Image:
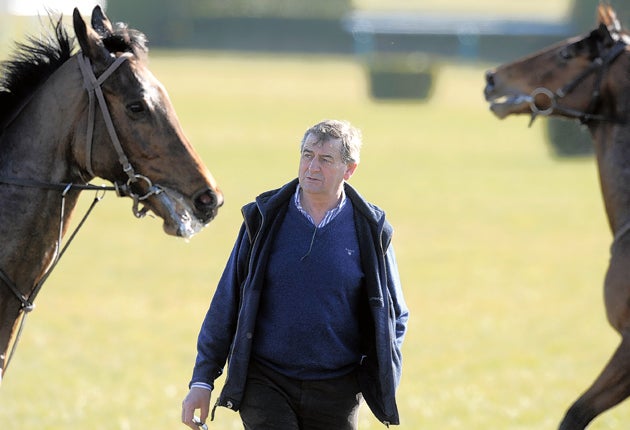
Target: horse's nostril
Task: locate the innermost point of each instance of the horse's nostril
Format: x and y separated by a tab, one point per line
208	201
490	78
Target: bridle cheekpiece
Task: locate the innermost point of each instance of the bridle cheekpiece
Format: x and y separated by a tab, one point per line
92	85
599	65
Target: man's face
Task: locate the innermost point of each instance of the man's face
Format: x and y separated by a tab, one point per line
321	169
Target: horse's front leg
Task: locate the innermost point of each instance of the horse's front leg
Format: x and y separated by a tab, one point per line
612	386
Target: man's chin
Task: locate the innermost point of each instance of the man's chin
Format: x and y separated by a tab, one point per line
311	185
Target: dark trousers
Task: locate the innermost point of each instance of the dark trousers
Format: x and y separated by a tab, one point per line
274	402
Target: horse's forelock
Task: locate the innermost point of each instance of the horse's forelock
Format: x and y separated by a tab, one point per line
124	39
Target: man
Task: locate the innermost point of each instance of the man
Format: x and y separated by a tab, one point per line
309	311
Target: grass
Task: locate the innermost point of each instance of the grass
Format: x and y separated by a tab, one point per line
502	250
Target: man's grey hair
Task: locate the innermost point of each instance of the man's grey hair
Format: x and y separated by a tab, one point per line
349	135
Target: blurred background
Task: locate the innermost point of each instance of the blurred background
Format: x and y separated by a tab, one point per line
501	235
400	42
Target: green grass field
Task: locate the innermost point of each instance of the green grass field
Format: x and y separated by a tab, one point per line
502	250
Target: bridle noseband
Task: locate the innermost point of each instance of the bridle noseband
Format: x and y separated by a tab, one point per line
599	65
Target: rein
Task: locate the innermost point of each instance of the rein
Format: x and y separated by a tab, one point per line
599	66
92	85
27	303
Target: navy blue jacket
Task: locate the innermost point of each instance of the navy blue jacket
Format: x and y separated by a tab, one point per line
228	328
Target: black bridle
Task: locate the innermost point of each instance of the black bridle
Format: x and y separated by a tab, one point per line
599	65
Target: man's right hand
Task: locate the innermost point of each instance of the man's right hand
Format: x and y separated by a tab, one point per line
197	398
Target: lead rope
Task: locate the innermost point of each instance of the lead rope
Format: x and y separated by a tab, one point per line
28	302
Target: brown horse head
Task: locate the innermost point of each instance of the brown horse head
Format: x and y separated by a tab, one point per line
570	78
154	162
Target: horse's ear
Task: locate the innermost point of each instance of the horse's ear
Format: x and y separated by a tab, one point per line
602	36
101	23
89	40
608	17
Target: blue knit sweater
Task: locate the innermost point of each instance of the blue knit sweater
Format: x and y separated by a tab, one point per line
308	324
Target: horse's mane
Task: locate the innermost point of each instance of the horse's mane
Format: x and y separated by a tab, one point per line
31	64
34	61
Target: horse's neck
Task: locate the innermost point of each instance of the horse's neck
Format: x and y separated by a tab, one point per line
612	146
36	145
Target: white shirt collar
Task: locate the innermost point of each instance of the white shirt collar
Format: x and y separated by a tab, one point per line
330	215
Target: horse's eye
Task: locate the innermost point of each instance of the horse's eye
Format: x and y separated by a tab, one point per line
136	107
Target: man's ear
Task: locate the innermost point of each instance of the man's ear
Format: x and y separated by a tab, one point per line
350	168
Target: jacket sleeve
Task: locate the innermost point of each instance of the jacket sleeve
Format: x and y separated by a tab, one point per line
218	328
399	310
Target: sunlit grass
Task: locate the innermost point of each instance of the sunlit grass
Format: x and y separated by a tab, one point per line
502	250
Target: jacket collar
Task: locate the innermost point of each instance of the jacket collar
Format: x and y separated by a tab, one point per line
271	201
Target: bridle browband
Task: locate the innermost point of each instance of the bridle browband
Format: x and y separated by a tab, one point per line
599	65
92	85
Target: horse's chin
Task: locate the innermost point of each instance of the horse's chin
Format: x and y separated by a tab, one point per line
178	216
